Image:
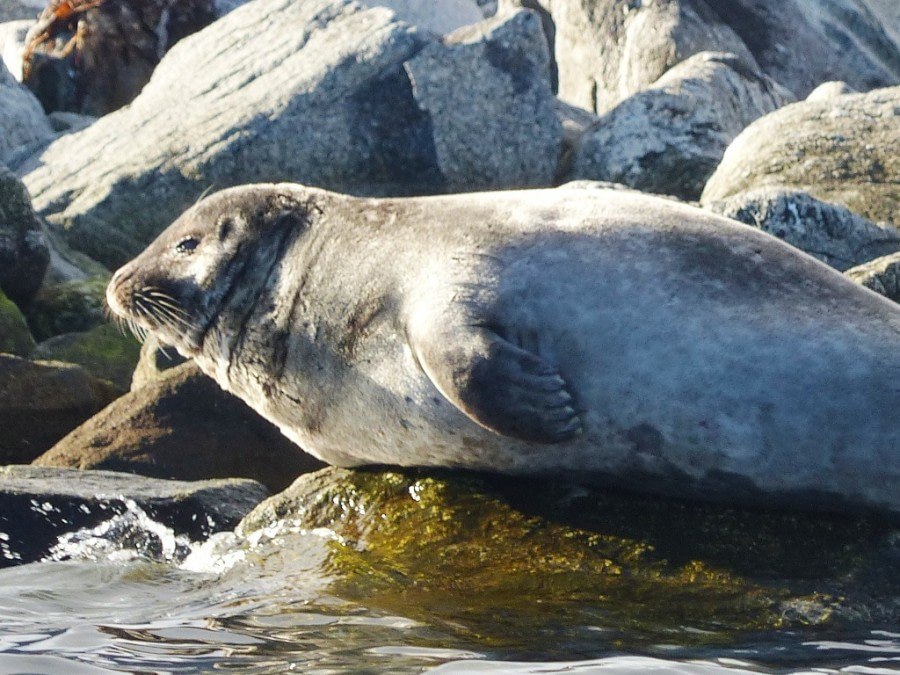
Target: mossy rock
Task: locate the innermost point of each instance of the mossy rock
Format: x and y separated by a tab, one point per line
844	150
15	338
105	352
476	552
67	307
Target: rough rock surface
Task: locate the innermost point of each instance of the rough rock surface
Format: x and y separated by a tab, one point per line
437	16
94	57
105	352
22	120
40	402
670	137
15	338
830	232
609	49
154	360
882	275
12	45
475	86
67	307
182	426
24	254
461	541
844	150
11	10
225	106
829	90
38	505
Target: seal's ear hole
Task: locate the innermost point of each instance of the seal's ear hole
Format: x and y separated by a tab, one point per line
225	226
187	245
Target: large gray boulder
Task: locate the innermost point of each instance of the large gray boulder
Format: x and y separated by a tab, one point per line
670	137
844	150
881	275
607	50
24	254
487	92
317	92
830	232
22	120
40	507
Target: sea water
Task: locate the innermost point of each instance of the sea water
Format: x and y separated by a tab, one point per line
130	596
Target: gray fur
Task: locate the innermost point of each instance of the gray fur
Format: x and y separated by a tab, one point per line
613	336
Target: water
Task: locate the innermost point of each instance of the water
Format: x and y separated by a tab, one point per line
129	596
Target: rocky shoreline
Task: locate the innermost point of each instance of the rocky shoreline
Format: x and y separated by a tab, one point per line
782	115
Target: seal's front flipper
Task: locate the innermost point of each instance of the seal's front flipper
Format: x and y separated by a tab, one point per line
501	386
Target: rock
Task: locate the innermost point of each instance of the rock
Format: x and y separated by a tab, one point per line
12	45
69	121
476	86
444	546
154	360
106	352
844	150
91	58
438	16
182	426
38	506
607	50
888	12
15	338
11	10
68	307
830	232
829	90
22	121
670	137
40	402
24	254
225	105
882	275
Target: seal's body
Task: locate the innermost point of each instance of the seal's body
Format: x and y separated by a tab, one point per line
609	335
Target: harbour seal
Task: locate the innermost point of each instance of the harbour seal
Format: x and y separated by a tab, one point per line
617	337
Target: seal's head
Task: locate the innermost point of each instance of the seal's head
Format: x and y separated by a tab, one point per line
215	259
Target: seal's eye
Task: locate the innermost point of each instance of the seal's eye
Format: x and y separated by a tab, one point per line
187	245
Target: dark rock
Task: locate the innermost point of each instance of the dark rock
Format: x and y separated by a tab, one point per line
38	505
40	402
105	352
15	338
337	71
24	254
92	58
154	360
830	232
493	114
882	275
444	546
844	150
670	137
182	426
67	307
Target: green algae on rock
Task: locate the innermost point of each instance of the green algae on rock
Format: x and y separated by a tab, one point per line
15	338
67	307
479	552
105	352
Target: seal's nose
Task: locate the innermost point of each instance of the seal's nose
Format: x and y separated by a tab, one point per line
116	289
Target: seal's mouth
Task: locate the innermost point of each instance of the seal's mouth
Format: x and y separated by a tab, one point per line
144	308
